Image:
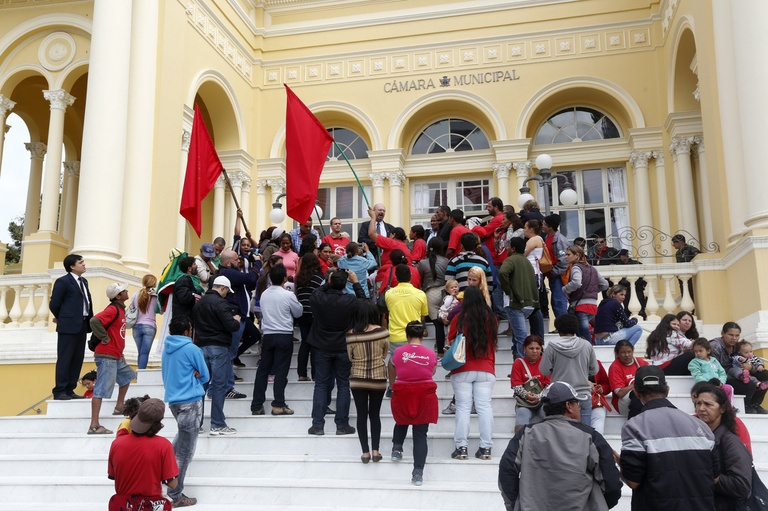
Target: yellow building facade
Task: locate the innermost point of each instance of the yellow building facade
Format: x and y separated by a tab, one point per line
650	108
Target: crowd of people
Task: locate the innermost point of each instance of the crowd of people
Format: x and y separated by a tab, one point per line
361	306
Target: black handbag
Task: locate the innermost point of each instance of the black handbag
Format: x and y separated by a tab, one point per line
758	499
95	341
381	300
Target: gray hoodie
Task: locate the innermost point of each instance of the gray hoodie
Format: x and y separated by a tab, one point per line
572	360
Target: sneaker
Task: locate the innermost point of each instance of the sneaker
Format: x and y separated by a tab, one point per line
450	409
389	391
238	378
749	409
201	430
223	431
184	501
281	410
233	394
745	376
258	411
483	453
397	455
417	479
346	430
271	378
316	431
237	363
460	454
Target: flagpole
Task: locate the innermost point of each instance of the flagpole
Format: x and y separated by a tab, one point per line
362	190
232	193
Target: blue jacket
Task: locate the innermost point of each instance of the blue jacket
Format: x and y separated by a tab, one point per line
360	265
181	358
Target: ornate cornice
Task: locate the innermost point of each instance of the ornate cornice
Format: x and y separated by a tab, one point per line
37	150
59	99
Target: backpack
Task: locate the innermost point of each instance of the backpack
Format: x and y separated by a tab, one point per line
95	341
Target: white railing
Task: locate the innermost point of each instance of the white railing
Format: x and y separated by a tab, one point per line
658	277
24	300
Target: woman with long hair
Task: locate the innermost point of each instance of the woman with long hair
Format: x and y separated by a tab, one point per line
418	246
290	258
688	325
581	284
667	348
324	253
621	376
473	382
367	348
611	314
308	278
146	324
432	271
723	349
525	369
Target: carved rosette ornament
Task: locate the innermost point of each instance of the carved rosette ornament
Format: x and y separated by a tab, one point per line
56	51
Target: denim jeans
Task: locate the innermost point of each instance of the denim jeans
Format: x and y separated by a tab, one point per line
143	335
524	415
477	386
236	336
631	334
219	364
188	417
497	301
276	352
584	332
559	300
516	318
586	411
597	421
329	366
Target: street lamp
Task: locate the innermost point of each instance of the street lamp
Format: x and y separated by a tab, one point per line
277	215
568	196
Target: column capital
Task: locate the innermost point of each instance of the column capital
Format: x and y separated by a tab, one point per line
37	149
246	186
377	179
185	138
396	178
640	158
261	186
277	185
658	156
236	178
699	141
501	170
59	99
7	128
6	105
220	182
681	145
72	168
523	168
697	93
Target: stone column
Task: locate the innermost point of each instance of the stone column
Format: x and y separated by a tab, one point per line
277	185
395	209
134	239
219	201
639	162
72	168
523	171
686	203
501	171
181	222
6	105
661	193
245	203
262	208
377	185
704	199
32	211
236	180
102	167
49	210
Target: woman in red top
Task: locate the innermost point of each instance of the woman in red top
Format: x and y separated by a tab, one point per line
324	252
473	382
387	245
621	377
533	347
419	247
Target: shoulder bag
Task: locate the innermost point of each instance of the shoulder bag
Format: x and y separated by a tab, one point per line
456	355
132	313
545	261
533	386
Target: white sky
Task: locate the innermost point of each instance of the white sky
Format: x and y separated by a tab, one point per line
14	174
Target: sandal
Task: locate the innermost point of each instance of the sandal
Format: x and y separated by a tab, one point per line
117	411
99	430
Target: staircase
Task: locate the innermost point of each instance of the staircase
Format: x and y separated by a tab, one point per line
48	462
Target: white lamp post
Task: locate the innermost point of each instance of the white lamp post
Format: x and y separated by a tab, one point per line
568	196
277	215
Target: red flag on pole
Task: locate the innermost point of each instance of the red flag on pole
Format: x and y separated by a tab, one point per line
306	148
203	169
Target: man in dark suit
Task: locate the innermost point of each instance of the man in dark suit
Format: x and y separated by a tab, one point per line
72	309
382	228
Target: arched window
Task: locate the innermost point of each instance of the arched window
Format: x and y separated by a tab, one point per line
576	124
351	143
449	135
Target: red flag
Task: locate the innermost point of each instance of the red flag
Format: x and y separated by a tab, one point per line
306	148
203	169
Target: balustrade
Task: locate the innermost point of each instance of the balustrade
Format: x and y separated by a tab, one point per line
24	300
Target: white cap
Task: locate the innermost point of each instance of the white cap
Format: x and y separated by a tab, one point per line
223	281
115	289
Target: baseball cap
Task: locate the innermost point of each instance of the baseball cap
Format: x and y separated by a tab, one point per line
151	411
560	392
223	281
115	289
650	378
208	250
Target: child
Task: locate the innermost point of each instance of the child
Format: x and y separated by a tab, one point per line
130	409
89	381
746	364
450	301
708	369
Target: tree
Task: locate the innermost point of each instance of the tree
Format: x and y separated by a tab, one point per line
16	228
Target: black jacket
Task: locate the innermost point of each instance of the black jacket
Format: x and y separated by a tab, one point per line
184	296
332	312
362	235
214	321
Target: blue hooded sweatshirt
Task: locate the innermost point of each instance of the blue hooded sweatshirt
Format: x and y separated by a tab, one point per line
181	358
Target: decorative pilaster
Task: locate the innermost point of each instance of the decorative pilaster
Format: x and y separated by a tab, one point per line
37	152
686	205
377	184
262	207
72	172
639	162
396	181
6	105
59	100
